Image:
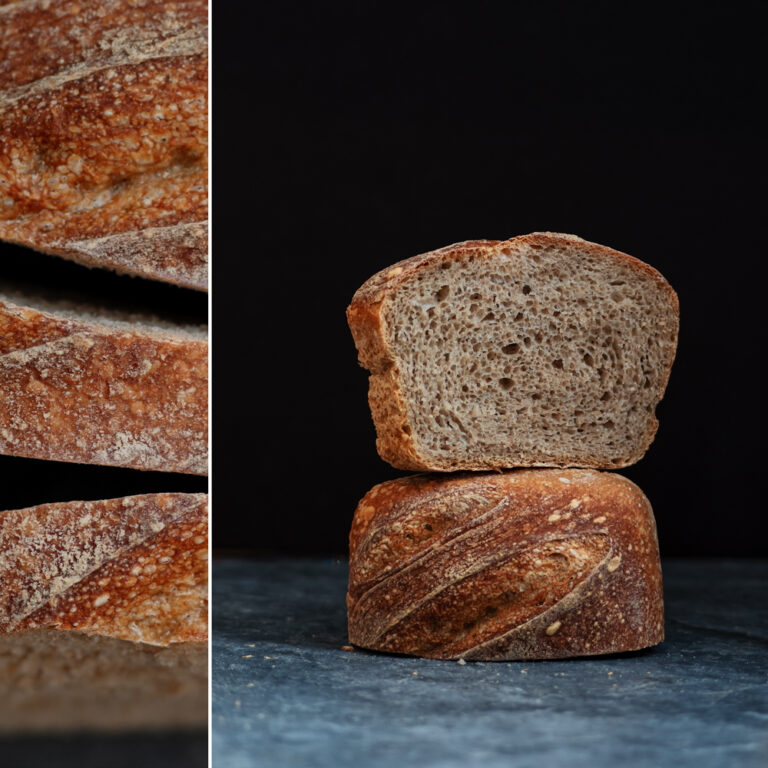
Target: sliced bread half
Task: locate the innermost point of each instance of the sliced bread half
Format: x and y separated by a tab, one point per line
541	350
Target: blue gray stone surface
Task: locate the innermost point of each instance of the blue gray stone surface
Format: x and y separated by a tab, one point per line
286	694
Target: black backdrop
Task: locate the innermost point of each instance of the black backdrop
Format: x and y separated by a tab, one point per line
349	135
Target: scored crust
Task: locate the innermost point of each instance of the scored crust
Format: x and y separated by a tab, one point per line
104	112
91	389
397	413
528	564
104	614
132	568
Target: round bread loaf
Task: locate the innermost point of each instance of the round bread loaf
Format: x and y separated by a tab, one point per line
529	564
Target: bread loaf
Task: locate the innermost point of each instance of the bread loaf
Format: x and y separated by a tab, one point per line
103	614
542	350
82	384
530	564
104	111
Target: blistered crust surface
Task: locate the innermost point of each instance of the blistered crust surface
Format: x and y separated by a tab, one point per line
104	111
83	392
522	565
132	568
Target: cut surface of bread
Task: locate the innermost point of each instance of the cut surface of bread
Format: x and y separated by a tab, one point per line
542	350
528	564
103	613
104	112
82	384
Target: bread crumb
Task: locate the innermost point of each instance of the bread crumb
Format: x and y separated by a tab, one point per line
553	627
347	648
462	662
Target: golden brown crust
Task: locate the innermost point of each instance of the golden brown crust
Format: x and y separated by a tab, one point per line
133	568
107	138
75	390
365	316
530	564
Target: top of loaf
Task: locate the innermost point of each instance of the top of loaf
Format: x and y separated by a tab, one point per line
381	284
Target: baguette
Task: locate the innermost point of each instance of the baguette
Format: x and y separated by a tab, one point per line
103	614
87	385
530	564
104	112
543	350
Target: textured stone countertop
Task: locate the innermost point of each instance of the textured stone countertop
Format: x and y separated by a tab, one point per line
285	694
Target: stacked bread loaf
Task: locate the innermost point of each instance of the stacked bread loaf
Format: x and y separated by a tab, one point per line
103	604
541	351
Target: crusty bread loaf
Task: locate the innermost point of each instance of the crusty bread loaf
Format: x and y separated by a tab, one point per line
530	564
104	111
82	384
542	350
103	614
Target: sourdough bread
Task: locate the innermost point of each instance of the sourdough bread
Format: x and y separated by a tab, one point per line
85	384
529	564
542	350
104	112
103	614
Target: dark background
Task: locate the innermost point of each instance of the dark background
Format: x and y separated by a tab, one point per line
349	135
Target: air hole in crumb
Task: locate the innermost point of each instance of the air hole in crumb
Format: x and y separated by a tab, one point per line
406	429
489	316
526	289
609	424
617	297
445	265
617	282
519	316
476	296
557	363
527	341
505	383
442	293
589	360
427	527
605	396
535	396
465	388
556	313
510	349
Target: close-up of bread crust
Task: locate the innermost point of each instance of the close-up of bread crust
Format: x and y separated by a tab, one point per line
104	112
395	415
104	614
529	564
133	568
88	389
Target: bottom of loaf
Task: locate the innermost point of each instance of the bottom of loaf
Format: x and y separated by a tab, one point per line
70	681
522	565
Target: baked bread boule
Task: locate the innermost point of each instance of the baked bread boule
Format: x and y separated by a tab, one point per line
542	350
530	564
